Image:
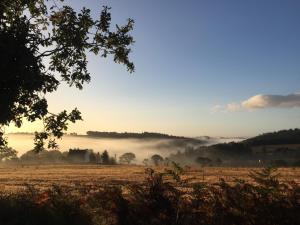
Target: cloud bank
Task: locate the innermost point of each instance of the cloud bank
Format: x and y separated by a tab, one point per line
261	102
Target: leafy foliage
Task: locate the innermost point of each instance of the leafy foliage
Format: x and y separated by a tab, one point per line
49	207
8	153
42	45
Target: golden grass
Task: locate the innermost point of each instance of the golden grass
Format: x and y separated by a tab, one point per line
14	178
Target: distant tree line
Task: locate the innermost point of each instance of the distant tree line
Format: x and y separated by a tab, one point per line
245	153
131	135
75	156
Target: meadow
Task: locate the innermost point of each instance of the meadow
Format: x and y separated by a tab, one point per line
16	177
136	195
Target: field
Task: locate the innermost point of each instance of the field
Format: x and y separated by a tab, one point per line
121	195
14	178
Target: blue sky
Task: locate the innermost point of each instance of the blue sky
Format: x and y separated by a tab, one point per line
192	59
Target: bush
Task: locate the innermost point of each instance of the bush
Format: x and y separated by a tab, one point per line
47	208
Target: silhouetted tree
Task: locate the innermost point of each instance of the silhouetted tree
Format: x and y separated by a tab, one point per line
93	157
105	157
135	135
112	161
7	153
157	159
53	156
43	44
127	157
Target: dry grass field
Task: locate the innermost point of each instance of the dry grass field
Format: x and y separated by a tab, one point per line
14	178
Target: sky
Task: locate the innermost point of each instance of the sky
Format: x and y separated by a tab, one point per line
203	67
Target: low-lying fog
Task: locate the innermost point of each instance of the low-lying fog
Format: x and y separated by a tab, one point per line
141	148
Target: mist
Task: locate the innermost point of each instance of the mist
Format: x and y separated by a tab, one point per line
141	148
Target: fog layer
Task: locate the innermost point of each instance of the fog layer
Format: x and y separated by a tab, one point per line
142	148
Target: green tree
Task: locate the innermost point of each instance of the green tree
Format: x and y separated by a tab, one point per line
127	157
44	44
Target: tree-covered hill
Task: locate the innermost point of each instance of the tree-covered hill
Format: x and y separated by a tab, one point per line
281	137
281	148
132	135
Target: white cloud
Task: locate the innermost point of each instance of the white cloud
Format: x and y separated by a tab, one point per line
261	102
233	107
272	101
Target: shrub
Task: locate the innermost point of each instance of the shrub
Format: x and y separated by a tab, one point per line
47	208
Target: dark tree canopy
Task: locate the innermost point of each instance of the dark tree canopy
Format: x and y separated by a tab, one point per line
105	157
43	44
157	159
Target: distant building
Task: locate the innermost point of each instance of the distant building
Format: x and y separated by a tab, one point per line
81	156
